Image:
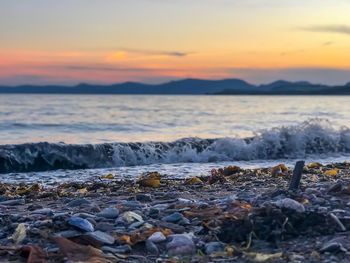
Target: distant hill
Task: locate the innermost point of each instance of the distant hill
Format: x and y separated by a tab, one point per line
188	87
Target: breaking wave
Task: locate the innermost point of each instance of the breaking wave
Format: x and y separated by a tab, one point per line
313	137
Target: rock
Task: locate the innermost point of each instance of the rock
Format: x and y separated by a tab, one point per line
333	247
101	237
104	227
290	204
130	217
173	227
144	198
13	202
79	202
43	211
214	247
81	224
68	234
152	248
124	249
181	245
157	237
173	218
109	213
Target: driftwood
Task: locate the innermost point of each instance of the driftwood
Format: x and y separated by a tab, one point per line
297	173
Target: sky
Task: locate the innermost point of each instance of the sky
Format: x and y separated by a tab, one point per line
109	41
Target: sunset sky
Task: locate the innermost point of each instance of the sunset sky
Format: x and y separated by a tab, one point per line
108	41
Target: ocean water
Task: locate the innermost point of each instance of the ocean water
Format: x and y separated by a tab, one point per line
59	136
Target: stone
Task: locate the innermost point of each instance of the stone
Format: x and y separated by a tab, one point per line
13	202
130	217
214	247
181	245
101	237
333	247
109	213
68	234
152	248
81	224
290	204
79	202
43	211
144	198
173	218
104	227
157	237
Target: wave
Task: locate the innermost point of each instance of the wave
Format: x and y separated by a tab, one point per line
313	137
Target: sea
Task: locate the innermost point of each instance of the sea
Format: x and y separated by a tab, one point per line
58	138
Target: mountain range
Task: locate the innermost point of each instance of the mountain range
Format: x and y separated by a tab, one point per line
188	87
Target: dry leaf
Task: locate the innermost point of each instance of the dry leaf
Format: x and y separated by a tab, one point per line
193	180
108	176
150	180
314	165
35	254
80	253
20	233
332	172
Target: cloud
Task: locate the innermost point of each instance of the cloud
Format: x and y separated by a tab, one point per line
107	68
157	52
339	29
328	43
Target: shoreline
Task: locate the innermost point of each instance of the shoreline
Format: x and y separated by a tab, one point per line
243	215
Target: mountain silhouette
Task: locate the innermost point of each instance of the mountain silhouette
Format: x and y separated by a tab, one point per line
188	87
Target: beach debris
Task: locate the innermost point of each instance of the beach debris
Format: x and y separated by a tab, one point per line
80	253
338	222
108	176
279	170
193	181
216	176
314	165
264	257
34	254
151	179
290	204
20	233
81	224
332	172
296	177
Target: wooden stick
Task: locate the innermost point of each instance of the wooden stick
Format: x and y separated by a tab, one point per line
297	172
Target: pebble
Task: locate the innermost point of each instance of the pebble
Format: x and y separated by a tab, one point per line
290	204
13	202
78	202
181	245
144	198
152	248
43	211
81	223
101	237
157	237
104	226
130	217
214	247
173	218
109	213
333	247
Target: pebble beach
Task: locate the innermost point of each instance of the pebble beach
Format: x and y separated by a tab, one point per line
231	215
